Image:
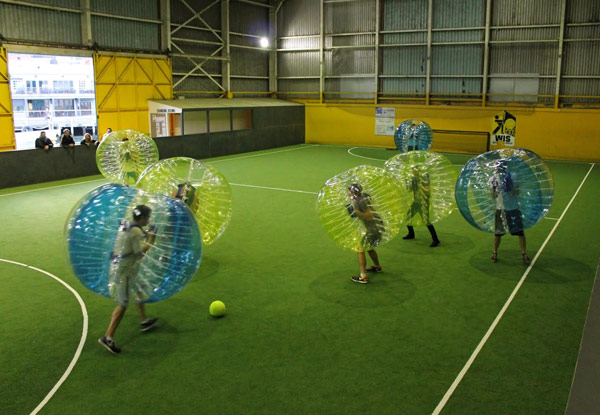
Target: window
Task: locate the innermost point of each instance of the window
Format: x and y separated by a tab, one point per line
85	105
219	120
194	122
18	105
63	87
31	87
241	120
64	108
38	108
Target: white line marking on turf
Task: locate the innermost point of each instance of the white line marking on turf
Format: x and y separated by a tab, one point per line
373	158
487	335
273	188
262	154
546	217
362	157
52	187
81	341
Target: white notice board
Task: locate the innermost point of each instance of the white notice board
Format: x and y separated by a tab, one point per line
385	121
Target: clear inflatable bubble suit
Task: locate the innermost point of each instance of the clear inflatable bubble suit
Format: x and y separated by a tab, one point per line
197	184
508	180
123	155
429	178
92	234
378	188
413	135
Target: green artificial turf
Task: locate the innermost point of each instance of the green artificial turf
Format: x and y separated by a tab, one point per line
299	337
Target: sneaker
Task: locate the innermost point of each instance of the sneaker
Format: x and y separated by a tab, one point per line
109	345
374	269
526	259
148	324
409	236
359	279
434	243
494	257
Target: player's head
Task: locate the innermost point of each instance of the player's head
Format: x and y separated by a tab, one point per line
355	189
141	213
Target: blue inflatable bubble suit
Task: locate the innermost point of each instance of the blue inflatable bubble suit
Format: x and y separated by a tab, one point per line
413	135
92	234
506	190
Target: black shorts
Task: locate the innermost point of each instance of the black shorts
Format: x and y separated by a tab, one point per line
514	220
372	238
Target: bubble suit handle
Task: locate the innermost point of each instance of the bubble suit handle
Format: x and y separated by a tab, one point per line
514	182
93	227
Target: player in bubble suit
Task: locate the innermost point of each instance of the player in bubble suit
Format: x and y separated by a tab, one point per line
420	186
361	207
504	188
130	247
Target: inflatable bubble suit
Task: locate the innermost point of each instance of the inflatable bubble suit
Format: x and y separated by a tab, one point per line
413	135
510	180
429	179
199	185
378	189
92	234
124	154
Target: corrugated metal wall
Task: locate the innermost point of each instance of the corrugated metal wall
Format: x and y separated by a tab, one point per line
524	41
523	44
59	22
39	25
298	18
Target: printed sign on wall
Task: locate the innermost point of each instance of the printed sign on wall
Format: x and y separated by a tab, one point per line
504	129
385	121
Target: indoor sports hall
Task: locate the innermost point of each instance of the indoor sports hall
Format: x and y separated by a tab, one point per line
279	97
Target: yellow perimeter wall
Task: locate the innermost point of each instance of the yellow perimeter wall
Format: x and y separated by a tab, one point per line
124	84
7	132
553	134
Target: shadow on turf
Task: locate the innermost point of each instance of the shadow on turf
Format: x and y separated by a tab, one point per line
180	321
208	268
450	243
384	289
547	270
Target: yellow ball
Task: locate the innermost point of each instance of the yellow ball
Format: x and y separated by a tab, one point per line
217	309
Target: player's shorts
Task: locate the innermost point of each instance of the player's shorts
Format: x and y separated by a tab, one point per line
122	283
372	238
514	220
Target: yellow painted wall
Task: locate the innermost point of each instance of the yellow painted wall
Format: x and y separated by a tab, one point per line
563	134
124	84
7	132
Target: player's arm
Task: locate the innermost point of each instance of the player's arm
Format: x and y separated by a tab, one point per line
367	214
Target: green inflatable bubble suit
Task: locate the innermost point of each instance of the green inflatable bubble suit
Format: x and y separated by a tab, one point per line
202	187
362	208
123	155
429	179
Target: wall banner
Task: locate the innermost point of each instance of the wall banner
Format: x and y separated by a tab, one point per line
504	128
385	121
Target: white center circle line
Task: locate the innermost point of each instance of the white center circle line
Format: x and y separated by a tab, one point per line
81	341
